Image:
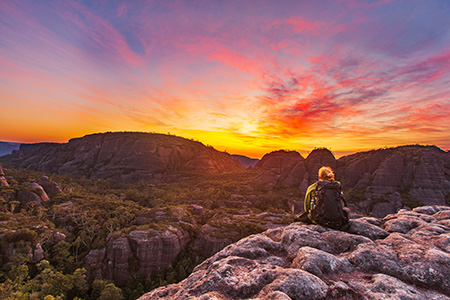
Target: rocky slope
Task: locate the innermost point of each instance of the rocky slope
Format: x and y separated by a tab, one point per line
123	156
377	182
402	256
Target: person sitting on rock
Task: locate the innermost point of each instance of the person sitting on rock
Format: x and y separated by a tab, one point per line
324	202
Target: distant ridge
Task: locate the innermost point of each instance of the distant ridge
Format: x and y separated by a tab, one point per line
8	147
125	156
245	160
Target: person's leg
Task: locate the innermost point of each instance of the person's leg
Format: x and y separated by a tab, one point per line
303	218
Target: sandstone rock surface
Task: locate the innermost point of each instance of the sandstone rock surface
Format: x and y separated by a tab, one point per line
403	256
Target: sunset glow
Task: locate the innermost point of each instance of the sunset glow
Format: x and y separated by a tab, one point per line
247	77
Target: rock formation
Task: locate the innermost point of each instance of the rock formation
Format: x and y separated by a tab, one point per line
277	164
123	156
389	179
141	251
289	168
33	193
49	186
403	256
376	182
3	181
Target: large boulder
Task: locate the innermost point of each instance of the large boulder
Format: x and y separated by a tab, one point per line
403	256
49	186
33	193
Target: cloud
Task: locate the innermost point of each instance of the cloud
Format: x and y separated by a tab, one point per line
270	75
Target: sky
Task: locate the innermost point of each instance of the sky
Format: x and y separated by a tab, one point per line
247	77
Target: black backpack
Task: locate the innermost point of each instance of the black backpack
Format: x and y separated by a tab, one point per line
328	210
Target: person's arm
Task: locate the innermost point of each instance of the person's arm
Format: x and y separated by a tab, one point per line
308	197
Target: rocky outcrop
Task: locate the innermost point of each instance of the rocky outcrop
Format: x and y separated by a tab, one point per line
289	168
3	181
273	165
377	182
156	250
139	252
50	187
224	228
403	256
33	193
390	179
93	263
118	255
123	156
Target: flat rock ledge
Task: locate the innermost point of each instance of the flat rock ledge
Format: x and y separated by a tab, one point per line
402	256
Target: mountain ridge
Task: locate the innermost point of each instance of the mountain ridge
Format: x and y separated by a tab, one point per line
125	156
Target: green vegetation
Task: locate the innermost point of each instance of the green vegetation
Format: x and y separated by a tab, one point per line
89	212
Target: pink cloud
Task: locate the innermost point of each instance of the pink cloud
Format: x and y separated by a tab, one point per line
301	25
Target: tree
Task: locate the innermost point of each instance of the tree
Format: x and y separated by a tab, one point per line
59	285
111	292
61	258
80	285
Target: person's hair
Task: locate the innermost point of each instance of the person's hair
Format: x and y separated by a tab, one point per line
326	173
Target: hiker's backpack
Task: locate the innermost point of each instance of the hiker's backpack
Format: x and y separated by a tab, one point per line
328	210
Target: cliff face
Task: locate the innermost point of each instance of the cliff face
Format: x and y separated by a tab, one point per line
403	256
141	251
377	182
123	156
393	178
